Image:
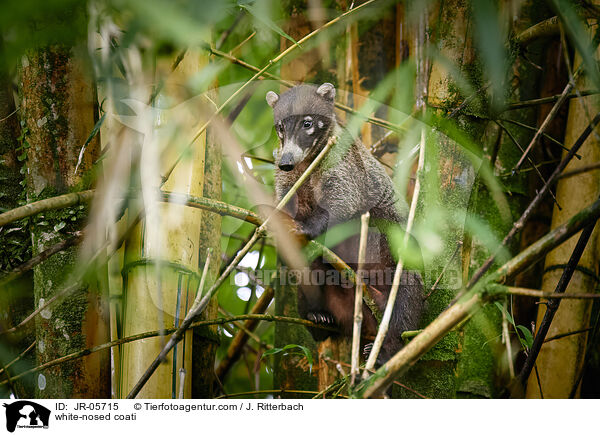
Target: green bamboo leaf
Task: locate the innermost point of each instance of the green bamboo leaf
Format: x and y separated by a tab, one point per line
91	136
264	19
304	351
491	42
576	31
527	340
506	313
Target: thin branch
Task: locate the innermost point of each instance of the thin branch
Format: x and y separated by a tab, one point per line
567	334
19	357
441	275
241	338
391	302
553	304
62	201
246	331
518	225
543	29
41	257
544	245
483	292
546	135
10	114
149	334
539	165
547	100
241	44
507	343
62	293
549	118
535	168
211	205
259	73
251	393
467	100
9	380
371	119
539	383
550	295
345	364
580	170
358	302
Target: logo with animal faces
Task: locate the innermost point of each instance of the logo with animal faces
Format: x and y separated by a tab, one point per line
24	414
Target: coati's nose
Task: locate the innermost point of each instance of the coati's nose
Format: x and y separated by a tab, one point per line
285	164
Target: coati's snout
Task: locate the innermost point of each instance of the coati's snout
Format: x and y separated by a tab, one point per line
303	119
286	162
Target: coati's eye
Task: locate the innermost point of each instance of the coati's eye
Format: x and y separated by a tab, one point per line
307	123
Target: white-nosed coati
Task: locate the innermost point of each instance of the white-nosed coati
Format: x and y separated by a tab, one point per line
347	183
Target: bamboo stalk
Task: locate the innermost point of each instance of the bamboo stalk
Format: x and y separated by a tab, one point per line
162	256
358	302
568	356
259	232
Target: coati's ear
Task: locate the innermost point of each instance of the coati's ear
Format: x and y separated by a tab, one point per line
327	91
272	98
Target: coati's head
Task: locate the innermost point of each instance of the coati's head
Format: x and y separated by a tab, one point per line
304	119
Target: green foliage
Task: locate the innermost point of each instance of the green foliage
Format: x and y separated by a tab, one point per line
160	29
303	351
523	334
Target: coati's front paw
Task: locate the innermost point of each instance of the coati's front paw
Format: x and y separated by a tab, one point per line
299	234
296	230
321	318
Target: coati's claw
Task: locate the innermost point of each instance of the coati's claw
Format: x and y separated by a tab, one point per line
367	350
322	318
